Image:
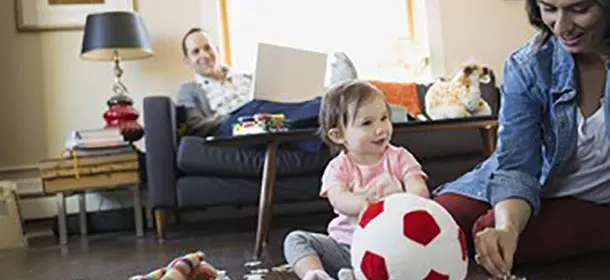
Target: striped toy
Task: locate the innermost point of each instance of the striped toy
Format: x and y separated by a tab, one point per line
188	267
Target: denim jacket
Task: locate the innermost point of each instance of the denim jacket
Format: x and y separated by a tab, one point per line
537	136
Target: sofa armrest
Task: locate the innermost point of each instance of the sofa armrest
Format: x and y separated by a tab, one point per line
161	144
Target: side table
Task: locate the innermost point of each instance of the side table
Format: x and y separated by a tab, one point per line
65	176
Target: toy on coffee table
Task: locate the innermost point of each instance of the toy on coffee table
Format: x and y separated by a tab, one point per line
260	123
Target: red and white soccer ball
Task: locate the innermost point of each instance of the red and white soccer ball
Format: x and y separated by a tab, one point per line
406	237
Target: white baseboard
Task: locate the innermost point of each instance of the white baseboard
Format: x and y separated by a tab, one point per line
46	206
18	168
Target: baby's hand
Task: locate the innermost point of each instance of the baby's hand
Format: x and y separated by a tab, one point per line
389	191
377	193
372	194
417	185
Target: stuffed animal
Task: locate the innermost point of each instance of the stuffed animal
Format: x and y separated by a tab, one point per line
341	68
459	97
404	236
188	267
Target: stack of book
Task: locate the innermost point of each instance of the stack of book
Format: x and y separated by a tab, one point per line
96	142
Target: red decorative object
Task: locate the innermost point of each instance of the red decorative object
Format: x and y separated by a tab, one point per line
121	114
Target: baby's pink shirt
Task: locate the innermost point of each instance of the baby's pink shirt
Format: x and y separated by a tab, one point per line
343	171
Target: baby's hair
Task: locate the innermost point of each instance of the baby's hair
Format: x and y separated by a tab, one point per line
340	105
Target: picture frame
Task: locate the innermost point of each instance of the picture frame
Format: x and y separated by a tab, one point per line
53	15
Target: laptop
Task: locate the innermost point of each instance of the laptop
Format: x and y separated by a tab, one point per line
288	75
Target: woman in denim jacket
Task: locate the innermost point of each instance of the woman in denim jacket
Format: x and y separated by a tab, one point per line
551	168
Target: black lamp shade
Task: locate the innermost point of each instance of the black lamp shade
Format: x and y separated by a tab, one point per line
109	33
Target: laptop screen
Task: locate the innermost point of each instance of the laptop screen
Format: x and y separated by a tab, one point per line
289	75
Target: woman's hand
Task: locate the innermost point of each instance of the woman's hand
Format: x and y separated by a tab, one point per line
495	249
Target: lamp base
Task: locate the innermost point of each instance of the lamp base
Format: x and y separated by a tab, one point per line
122	115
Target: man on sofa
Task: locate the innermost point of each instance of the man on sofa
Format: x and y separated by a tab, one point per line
218	96
216	91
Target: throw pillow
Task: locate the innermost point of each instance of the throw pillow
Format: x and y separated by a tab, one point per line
403	94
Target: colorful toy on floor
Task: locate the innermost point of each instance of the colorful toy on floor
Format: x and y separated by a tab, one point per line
256	271
188	267
405	236
261	123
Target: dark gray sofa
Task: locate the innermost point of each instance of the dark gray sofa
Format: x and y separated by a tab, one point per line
185	173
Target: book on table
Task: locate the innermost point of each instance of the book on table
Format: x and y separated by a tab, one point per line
89	142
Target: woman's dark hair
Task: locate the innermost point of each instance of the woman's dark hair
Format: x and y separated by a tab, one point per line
535	18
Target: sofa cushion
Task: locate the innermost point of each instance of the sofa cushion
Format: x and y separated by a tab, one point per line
195	157
195	191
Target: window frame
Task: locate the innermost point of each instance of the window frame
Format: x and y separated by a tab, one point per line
426	11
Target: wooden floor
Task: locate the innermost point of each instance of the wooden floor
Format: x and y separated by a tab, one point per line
226	245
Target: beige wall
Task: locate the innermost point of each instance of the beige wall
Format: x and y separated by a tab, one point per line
484	30
46	90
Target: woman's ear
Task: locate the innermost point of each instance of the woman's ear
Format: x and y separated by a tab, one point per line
336	136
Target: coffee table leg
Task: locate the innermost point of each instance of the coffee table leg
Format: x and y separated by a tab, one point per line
82	213
148	212
488	135
61	218
266	199
137	210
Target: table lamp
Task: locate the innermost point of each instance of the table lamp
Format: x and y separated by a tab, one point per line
116	36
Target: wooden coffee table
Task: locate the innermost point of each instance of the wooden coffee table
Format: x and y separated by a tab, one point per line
65	176
487	127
